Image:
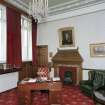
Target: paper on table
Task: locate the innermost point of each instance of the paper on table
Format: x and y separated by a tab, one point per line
32	80
26	80
56	78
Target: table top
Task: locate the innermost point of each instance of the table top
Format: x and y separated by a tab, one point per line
45	85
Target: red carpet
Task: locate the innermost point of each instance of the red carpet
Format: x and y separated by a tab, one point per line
73	96
9	98
70	96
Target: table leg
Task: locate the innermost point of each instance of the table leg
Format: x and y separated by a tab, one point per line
55	98
25	98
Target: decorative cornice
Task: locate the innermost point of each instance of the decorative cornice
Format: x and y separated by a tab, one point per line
77	12
19	4
60	8
72	5
67	9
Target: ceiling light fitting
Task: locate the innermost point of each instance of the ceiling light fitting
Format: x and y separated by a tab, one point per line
38	9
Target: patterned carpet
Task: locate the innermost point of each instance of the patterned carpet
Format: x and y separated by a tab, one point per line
70	96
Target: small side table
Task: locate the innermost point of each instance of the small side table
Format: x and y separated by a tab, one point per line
99	97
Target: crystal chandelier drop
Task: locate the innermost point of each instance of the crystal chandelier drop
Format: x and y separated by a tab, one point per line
38	9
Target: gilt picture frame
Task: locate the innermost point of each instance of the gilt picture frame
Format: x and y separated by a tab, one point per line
97	50
66	37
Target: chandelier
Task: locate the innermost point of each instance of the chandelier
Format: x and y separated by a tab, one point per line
38	9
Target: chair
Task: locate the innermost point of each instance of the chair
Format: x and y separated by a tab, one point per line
67	77
43	73
96	80
99	95
87	85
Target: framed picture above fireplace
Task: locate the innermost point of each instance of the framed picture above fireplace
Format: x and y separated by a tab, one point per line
66	37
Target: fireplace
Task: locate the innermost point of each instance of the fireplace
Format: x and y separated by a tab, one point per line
73	70
68	60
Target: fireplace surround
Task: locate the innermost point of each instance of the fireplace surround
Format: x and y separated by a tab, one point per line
68	60
64	69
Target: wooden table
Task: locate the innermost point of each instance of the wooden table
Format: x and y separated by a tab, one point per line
25	91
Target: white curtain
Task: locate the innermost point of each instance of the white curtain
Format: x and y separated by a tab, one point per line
3	34
26	38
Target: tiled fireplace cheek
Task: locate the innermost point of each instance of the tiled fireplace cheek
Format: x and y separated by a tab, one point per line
62	70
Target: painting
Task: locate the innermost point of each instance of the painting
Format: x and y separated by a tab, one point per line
66	37
97	50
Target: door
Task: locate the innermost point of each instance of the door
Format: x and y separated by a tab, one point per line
42	53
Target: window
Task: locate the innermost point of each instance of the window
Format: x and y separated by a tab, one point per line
3	35
26	39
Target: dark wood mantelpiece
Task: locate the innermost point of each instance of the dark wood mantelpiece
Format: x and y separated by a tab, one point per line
68	58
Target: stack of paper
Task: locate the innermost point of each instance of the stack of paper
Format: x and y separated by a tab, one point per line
26	80
32	80
56	78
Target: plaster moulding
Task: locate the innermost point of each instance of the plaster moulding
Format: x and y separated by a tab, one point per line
67	9
72	5
19	4
78	12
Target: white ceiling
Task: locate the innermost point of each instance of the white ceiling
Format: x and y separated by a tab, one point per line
50	2
58	6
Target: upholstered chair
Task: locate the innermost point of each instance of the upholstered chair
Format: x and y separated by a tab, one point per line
43	73
96	80
86	86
